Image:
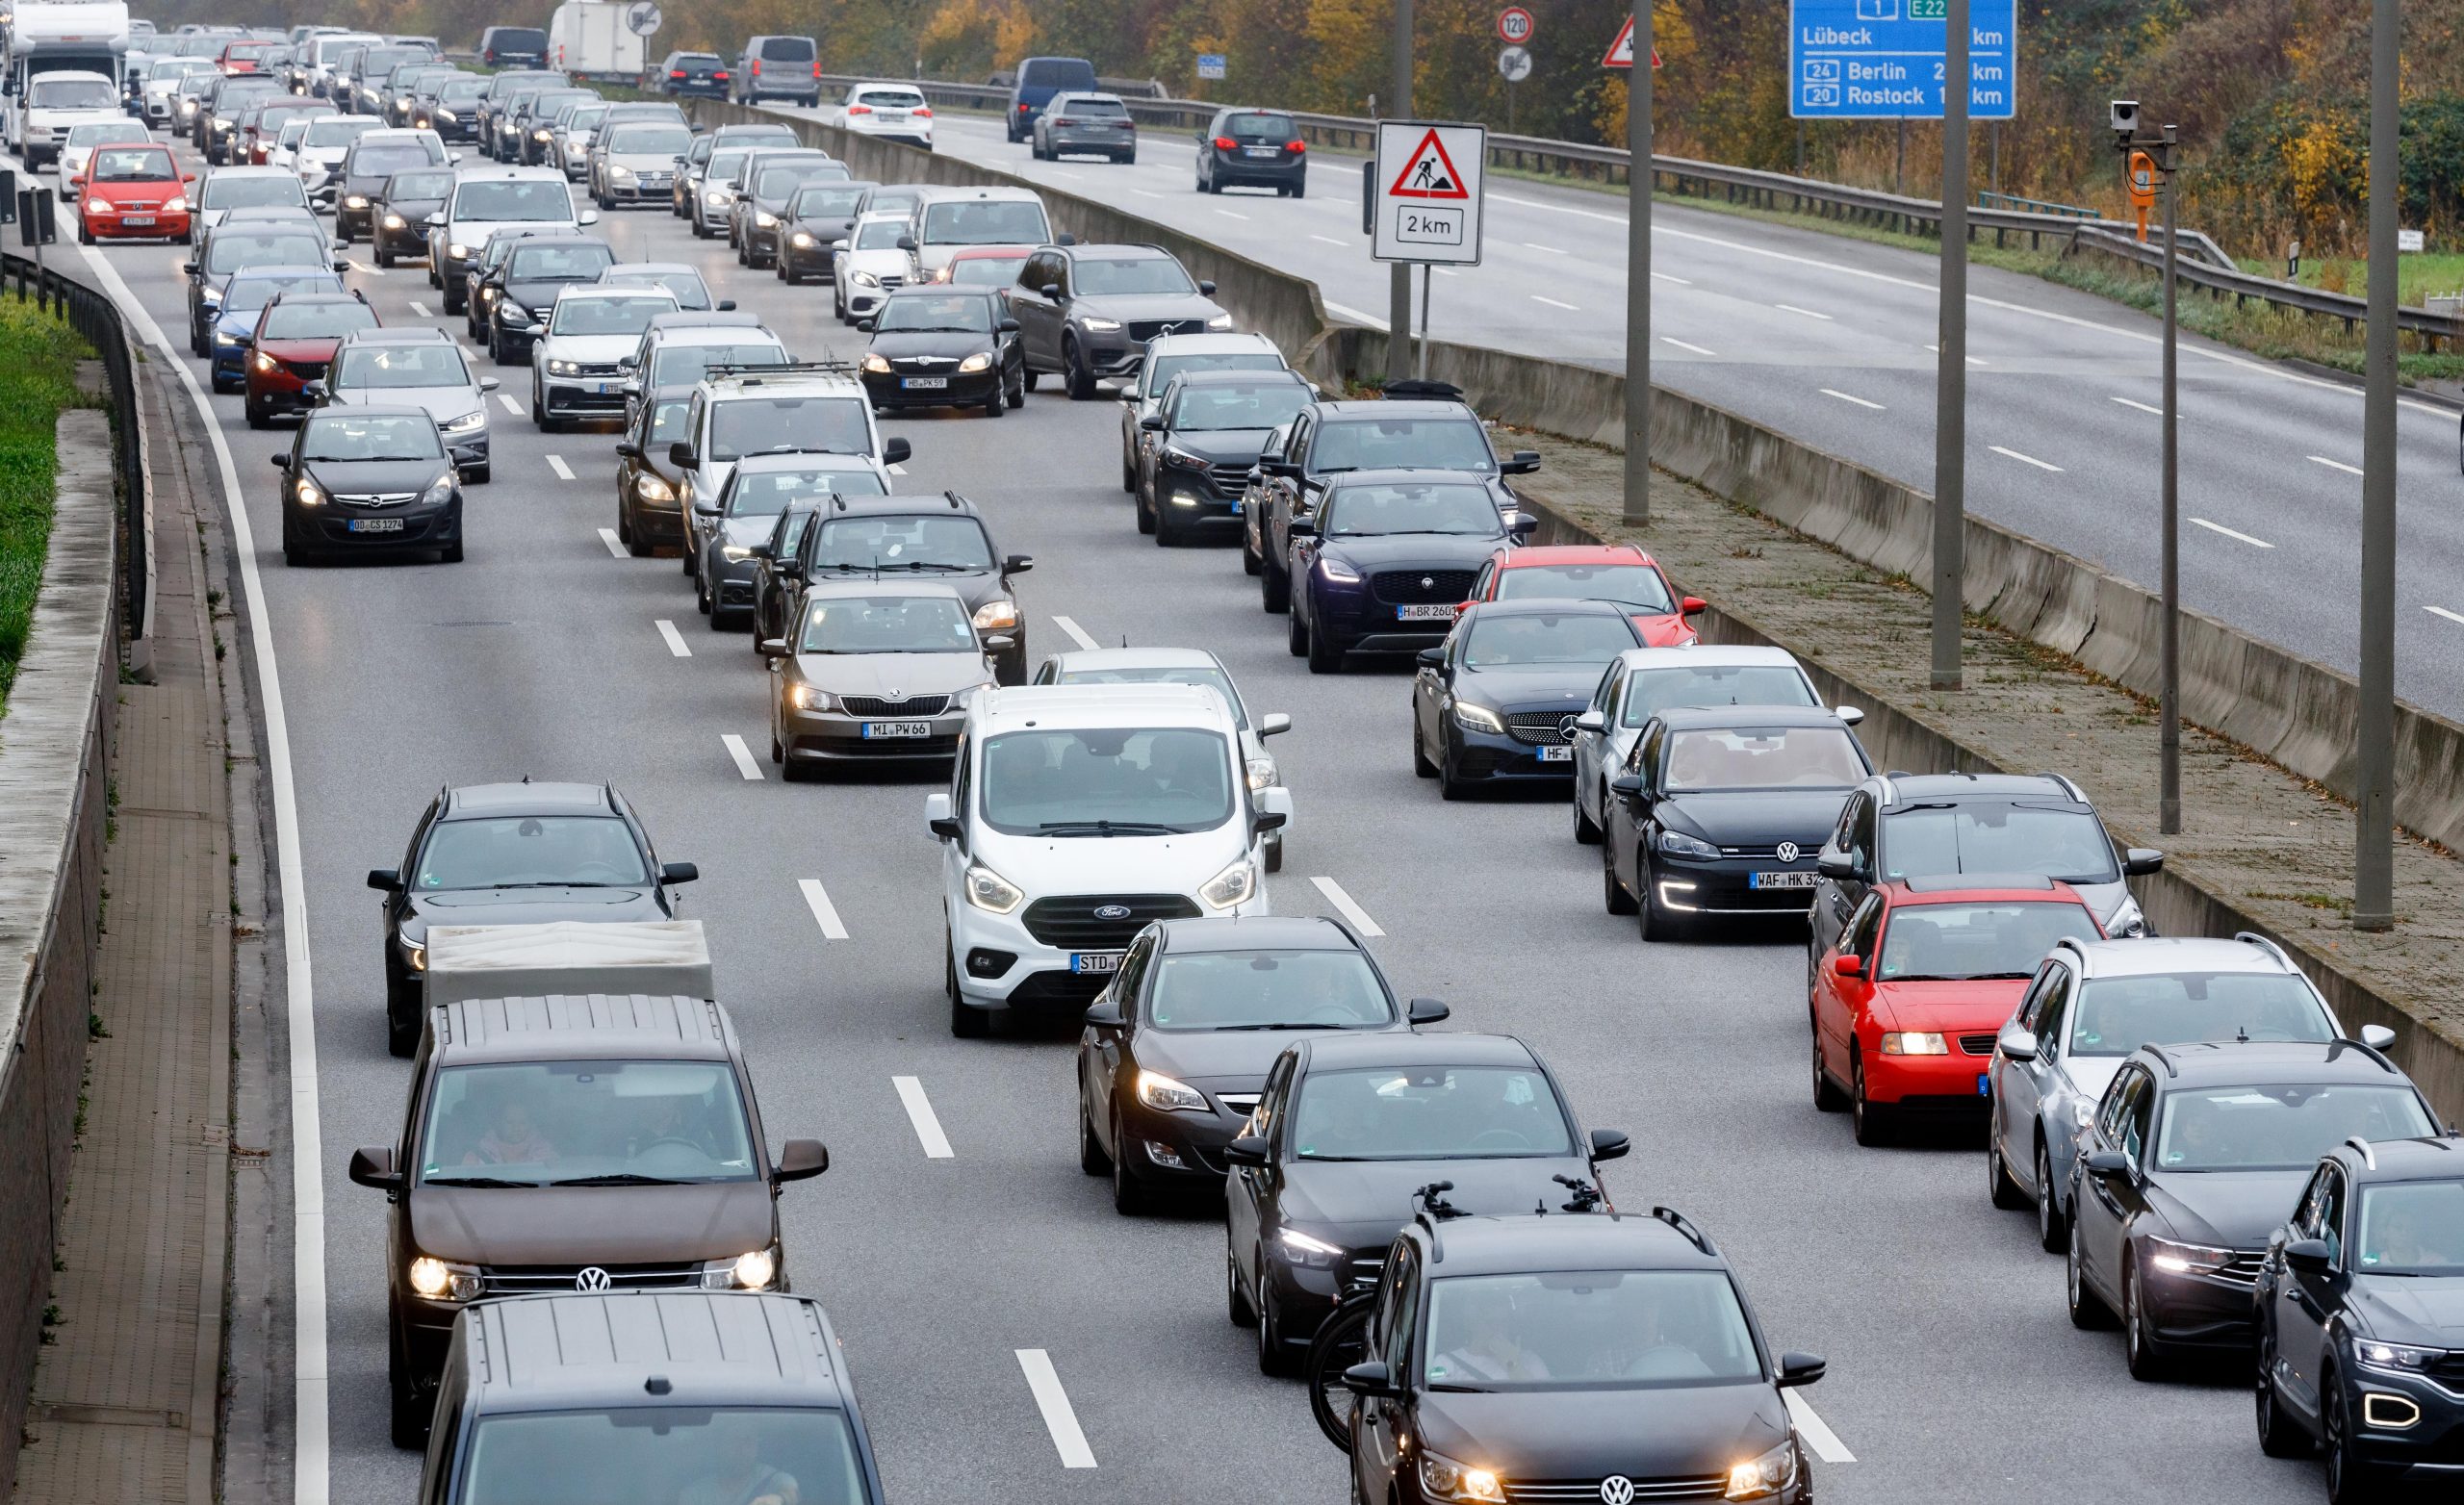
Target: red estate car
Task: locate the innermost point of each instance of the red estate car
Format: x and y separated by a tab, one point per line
1618	573
1907	1003
132	193
292	345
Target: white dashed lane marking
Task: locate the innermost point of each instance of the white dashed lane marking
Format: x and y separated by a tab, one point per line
1792	308
510	406
2025	459
615	545
556	463
743	755
1834	391
1344	905
824	913
1683	346
919	1112
2440	611
1076	633
1817	1432
1054	1402
2335	465
2219	528
421	309
1554	304
674	639
2130	402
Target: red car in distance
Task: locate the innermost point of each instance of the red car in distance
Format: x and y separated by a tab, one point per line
132	193
1908	1003
984	266
245	57
292	345
1618	573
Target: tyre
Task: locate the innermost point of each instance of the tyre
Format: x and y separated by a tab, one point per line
1655	923
384	254
1076	380
1150	522
1295	636
1613	896
1249	564
2143	1352
2087	1309
1827	1096
1236	1301
403	1023
1273	1357
966	1022
410	1418
1030	378
1274	587
1128	475
1325	658
2052	1231
1092	1158
2349	1480
993	405
1421	767
1132	1197
1587	832
787	272
475	474
1871	1121
2279	1436
2004	1191
257	417
1449	787
1300	190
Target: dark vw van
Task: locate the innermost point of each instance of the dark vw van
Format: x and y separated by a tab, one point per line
1039	80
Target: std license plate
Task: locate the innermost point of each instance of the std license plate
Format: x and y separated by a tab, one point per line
1442	612
1780	880
925	383
1236	506
1556	754
1083	962
892	730
375	524
1264	151
1984	1085
137	219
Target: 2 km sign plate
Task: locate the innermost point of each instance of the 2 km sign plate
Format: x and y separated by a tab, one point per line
1425	202
1882	59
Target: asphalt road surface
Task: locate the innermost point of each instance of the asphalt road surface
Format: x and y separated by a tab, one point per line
1954	1372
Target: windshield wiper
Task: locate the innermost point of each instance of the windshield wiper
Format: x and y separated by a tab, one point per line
1228	1028
918	564
1109	828
491	1183
560	882
621	1178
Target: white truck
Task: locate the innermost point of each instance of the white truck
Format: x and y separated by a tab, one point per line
99	21
590	40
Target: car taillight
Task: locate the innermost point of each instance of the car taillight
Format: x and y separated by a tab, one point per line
756	67
1296	146
722	73
1226	143
676	74
859	110
921	112
816	67
1022	110
1062	119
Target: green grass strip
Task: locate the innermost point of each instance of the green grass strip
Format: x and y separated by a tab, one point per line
38	355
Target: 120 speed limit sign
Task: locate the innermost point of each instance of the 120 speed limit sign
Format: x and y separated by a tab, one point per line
1514	25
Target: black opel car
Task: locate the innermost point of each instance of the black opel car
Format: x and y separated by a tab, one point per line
943	348
1496	704
1253	148
1590	1357
2194	1156
362	480
1347	1128
1196	449
1176	1048
1386	561
2360	1304
1722	810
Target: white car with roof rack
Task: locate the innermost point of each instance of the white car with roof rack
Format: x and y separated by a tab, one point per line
810	407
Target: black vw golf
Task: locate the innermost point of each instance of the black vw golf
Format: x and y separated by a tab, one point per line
368	480
944	348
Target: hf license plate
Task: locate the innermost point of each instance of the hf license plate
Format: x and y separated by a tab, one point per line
924	383
876	731
375	524
1781	881
1095	961
1556	754
1443	612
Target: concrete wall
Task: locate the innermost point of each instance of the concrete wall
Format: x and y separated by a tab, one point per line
55	752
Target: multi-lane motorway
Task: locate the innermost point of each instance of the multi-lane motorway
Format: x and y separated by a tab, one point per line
1829	340
955	1239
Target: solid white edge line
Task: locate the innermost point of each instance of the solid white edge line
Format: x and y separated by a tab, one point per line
674	639
615	545
2025	459
1817	1432
1834	391
311	1443
824	913
2335	465
2132	402
1553	250
1076	633
2440	611
556	463
1053	1401
1342	902
928	1124
1661	276
2219	528
743	755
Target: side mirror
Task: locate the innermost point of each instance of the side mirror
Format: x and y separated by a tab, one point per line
589	216
282	462
679	872
489	384
2307	1255
2140	861
1522	462
384	880
536	331
1007	326
1370	1381
1523	525
627	363
1105	1014
1848	965
1247	1150
435	222
316	392
2377	1036
906	243
1835	865
1592	721
864	325
1301	528
1000	642
1428	1010
896	452
374	1167
800	1159
680	455
938	819
1152	421
1064	240
627	450
1849	714
1274	808
244	341
189	268
2016	1042
2107	1163
774	647
1627	786
1692	605
1017	564
1205	289
1609	1144
1274	724
1430	658
726	305
1797	1370
1051	289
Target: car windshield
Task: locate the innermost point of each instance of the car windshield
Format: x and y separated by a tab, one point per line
901	201
558	263
765	494
1261	404
648	139
341	437
1762	757
583	117
2116	1015
987	271
1638	587
1651	691
1160	369
779	425
2411	1228
96	133
1107	781
1093	105
136	164
826	201
385	160
605	316
675	364
248	294
686	287
881	235
1588	1329
722	165
1427	1113
1546	640
396	366
1267	991
323	319
935	544
667	421
1985	836
986	221
779	180
1096	276
255	191
586	1122
230	252
529	851
71	93
405	187
888	624
2279	1126
1252	123
516	200
461	90
1421	444
960	314
1411	507
890	98
1211	678
700	1455
1963	943
335	130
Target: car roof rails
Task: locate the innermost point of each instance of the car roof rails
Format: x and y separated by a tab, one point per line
1693	1234
783	369
2254	938
1440	391
2067	782
1432	1210
2363	1146
957	503
2158	1051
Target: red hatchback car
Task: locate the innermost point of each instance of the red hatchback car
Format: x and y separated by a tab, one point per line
1908	1003
132	193
1618	573
292	345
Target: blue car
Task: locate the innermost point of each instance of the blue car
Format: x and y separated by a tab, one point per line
1388	560
245	298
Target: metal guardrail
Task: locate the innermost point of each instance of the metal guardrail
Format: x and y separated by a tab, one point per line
2231	281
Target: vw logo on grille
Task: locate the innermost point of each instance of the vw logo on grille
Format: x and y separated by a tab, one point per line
1112	911
591	1278
1566	727
1616	1490
1787	852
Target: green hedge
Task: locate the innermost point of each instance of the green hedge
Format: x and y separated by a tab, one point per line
38	355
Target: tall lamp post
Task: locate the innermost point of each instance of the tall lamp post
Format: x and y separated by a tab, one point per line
2157	157
2373	866
1398	294
1950	374
1638	272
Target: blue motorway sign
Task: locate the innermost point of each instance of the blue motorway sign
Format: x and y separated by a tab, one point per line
1881	60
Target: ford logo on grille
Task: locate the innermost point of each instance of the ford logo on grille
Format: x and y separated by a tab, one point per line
1616	1490
1787	852
1112	911
591	1278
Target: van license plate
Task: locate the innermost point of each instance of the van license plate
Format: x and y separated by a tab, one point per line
1095	961
875	730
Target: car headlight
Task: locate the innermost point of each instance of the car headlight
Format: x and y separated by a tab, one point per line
864	279
487	294
735	553
763	218
1477	718
1166	1095
354	201
414	955
438	490
1765	1476
1337	571
1677	844
1913	1042
395	222
1263	774
1442	1478
176	204
1220	322
877	364
438	1281
989	890
220	124
802	240
999	616
1098	326
562	367
2175	1257
753	1270
716	198
449	117
468	424
1234	885
1175	454
308	492
2128	920
979	360
513	311
265	363
805	697
456	250
650	488
1301	1249
620	174
542	134
2399	1358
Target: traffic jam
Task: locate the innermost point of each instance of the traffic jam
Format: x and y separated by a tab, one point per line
473	333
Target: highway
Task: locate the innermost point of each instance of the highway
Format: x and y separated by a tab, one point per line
1954	1372
1829	340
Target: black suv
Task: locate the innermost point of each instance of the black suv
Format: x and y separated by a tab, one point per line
1086	310
513	48
1589	1356
684	73
526	284
943	540
2361	1336
514	854
1196	449
2194	1155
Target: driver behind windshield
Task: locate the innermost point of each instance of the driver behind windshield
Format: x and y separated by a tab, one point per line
1443	507
1267	991
954	314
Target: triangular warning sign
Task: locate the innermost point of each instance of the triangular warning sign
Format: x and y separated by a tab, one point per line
1621	52
1428	173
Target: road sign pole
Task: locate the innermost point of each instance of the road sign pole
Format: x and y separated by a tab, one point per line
2373	867
1638	272
2168	709
1950	381
1428	277
1399	285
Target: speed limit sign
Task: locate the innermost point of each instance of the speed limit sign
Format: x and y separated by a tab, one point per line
1514	25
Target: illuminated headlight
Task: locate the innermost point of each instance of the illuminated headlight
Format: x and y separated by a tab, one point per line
864	279
308	492
1161	1092
414	955
978	362
542	134
1220	322
805	697
457	251
438	490
1765	1476
1263	774
564	368
2128	919
1338	570
220	124
1913	1042
802	240
1100	327
514	313
1442	1478
1677	844
763	219
1234	886
449	117
354	201
395	222
877	364
716	198
752	1270
265	363
470	423
487	294
1301	1249
989	890
437	1280
735	553
2187	1259
1477	718
2400	1357
996	616
650	488
620	174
